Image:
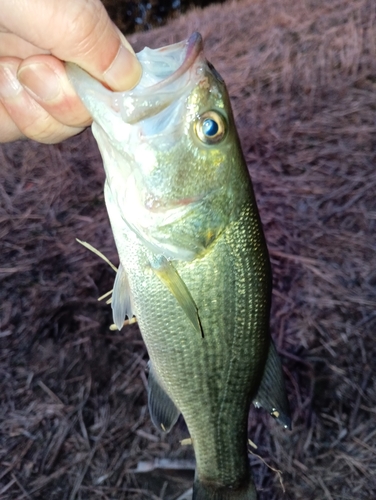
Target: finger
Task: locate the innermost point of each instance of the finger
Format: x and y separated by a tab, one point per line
8	129
79	32
29	117
12	45
46	81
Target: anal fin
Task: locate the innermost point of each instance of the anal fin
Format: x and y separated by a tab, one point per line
163	411
271	394
169	276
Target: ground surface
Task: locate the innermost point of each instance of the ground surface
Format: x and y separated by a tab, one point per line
73	416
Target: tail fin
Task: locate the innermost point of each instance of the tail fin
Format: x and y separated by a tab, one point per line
202	491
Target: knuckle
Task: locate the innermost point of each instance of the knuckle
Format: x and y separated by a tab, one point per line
8	129
85	29
44	128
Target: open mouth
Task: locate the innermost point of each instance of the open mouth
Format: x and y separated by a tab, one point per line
166	75
193	46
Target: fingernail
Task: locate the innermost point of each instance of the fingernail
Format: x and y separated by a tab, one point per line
9	85
125	71
40	81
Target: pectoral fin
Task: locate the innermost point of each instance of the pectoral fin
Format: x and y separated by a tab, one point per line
169	276
271	394
121	298
163	411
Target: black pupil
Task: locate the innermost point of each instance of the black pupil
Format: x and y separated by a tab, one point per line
210	127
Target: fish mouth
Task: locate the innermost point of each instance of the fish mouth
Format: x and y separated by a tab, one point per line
193	47
168	73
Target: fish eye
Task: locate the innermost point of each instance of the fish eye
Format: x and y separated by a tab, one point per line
210	127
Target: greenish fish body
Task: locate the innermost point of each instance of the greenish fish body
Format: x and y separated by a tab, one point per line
194	264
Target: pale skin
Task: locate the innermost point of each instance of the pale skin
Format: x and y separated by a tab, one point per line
37	100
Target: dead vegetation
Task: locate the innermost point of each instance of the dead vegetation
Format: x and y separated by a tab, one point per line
73	417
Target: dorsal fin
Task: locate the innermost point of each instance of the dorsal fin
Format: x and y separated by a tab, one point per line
271	394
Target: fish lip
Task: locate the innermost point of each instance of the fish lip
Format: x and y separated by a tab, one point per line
194	46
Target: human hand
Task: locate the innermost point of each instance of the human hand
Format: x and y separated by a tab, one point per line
36	98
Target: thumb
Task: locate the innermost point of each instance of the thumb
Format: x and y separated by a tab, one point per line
79	31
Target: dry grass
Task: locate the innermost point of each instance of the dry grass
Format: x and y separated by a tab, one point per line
73	417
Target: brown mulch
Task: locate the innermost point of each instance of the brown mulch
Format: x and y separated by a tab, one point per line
73	417
140	15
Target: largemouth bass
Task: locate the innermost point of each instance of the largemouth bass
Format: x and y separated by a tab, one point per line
194	266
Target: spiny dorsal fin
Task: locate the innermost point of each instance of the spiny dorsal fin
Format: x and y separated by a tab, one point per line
121	298
271	394
169	276
163	411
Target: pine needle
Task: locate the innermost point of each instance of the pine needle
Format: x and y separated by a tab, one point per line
277	471
105	295
97	252
127	322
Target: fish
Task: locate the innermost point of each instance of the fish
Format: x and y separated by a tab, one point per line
194	266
